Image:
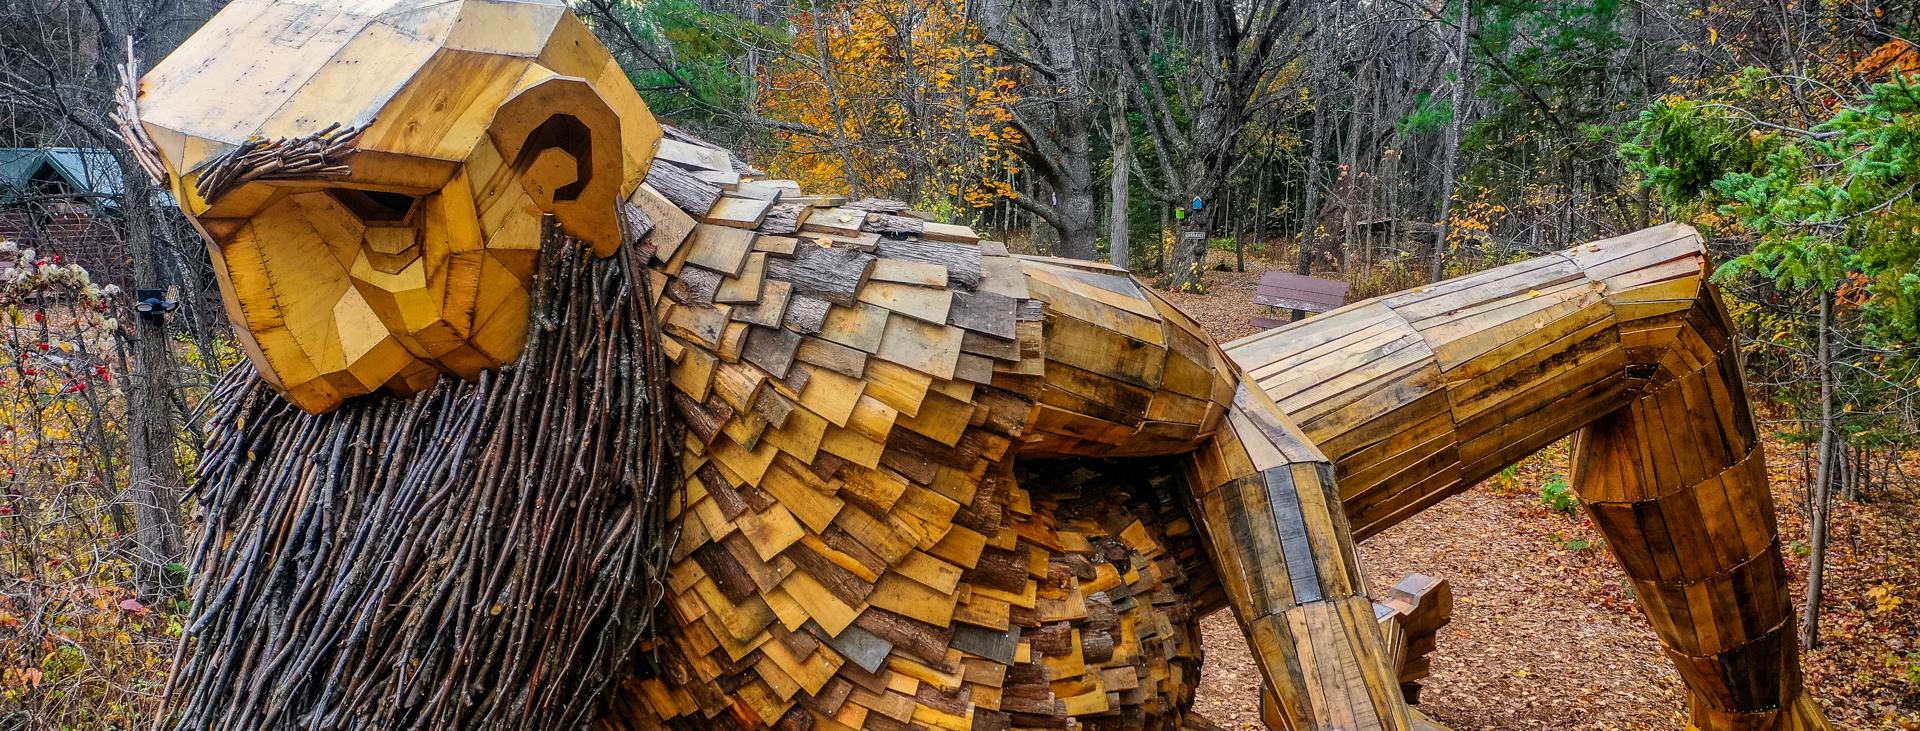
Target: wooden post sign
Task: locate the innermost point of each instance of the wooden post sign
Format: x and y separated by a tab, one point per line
925	483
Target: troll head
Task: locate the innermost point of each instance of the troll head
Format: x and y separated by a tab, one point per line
373	184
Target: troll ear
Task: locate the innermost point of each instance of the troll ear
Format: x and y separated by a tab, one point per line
562	142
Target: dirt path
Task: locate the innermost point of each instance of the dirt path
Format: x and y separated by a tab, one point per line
1545	634
1539	638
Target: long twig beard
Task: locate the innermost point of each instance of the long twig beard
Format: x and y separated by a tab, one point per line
480	556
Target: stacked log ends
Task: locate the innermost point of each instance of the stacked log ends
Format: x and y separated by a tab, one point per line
1115	581
1111	641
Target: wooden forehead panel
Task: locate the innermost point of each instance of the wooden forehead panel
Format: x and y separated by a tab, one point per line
277	68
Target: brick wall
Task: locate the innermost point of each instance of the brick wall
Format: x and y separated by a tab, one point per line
76	234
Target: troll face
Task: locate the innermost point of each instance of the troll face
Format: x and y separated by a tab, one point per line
373	184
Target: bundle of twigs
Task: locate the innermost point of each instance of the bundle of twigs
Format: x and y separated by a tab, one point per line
317	155
126	119
480	556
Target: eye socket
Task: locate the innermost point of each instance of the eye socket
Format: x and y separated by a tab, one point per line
376	206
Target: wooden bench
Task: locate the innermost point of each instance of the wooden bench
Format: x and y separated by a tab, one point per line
1296	292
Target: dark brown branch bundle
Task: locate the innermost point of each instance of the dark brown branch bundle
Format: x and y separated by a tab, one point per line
317	155
480	556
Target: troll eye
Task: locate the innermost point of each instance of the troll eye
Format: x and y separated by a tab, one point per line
376	206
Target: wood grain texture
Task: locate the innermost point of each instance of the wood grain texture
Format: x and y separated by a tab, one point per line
413	254
930	484
1285	290
1622	343
918	506
921	507
877	558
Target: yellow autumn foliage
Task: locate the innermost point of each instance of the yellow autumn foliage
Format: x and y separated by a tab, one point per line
78	648
919	114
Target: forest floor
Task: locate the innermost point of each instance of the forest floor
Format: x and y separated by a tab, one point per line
1545	634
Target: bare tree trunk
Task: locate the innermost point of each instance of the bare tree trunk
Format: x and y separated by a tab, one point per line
1821	499
1891	459
154	475
1160	242
1451	155
1185	272
1392	204
1059	135
1117	187
1075	223
1310	211
1350	177
1260	198
823	46
1189	252
1239	224
1849	473
1859	477
1237	50
1859	470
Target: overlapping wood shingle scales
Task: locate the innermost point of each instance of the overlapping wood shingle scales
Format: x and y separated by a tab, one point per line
931	484
858	547
856	418
856	551
1418	395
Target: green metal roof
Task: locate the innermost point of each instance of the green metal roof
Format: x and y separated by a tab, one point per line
82	170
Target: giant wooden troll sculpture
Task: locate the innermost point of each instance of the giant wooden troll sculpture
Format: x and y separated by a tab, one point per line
923	483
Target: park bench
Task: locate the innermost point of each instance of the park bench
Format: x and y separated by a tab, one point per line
1284	290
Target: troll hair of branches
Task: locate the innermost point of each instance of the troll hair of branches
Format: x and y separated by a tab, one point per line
479	556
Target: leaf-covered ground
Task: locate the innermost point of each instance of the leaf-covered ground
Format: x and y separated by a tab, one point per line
1545	634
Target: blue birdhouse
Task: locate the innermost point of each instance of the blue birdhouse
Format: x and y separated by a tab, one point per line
1198	204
